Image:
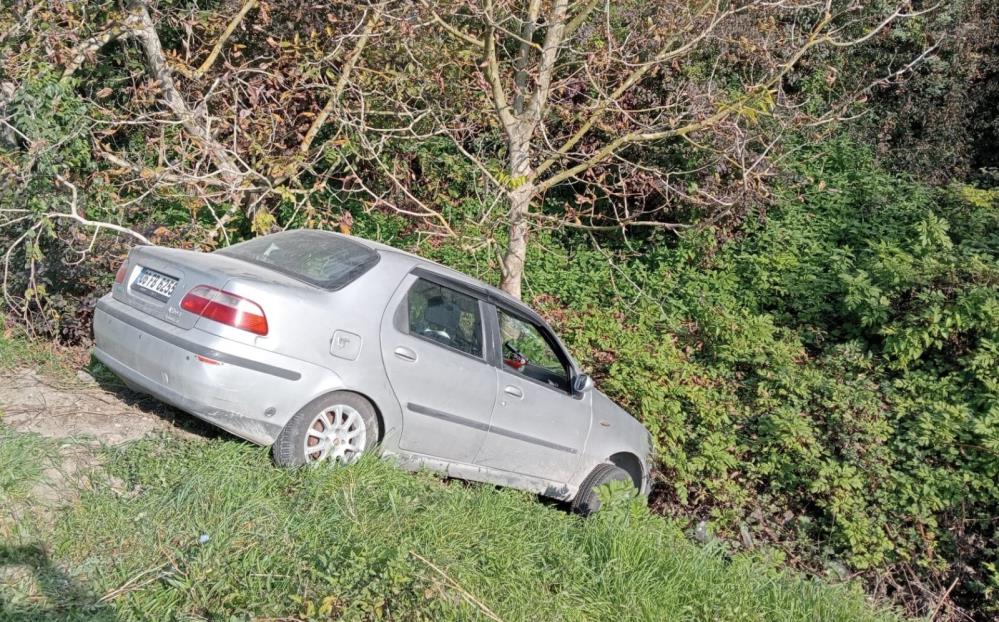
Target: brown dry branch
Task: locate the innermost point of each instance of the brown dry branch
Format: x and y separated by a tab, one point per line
213	55
572	95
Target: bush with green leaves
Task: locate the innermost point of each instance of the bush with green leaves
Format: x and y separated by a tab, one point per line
52	268
829	379
826	379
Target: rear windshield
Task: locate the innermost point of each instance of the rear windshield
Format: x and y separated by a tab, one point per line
319	258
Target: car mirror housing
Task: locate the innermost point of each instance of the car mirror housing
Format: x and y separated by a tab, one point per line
582	383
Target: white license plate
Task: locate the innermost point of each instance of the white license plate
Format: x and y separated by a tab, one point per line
158	285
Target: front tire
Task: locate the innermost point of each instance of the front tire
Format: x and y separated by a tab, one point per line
339	427
586	501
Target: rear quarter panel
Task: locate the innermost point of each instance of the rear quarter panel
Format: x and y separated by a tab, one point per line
303	320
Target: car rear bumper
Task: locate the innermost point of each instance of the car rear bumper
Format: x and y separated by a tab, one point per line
248	391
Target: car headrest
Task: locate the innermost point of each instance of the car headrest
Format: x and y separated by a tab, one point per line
441	313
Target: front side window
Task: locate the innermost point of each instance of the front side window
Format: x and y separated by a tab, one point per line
528	353
445	316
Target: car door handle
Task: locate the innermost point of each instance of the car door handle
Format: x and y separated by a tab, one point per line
405	354
513	391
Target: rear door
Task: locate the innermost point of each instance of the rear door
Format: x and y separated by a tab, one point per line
538	427
435	351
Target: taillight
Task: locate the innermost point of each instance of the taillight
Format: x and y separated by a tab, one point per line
119	276
225	308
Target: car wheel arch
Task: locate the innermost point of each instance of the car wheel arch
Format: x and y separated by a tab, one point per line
630	463
374	405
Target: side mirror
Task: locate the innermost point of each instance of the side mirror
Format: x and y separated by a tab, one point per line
582	383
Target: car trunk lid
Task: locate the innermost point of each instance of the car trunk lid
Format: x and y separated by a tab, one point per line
157	279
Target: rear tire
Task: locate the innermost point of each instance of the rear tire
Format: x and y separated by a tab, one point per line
339	427
586	501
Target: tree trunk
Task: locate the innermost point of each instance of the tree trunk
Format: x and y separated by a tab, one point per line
520	204
516	246
197	126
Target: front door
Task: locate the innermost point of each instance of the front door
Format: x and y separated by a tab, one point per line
538	428
433	346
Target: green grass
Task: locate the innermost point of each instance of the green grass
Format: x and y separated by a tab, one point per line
21	464
373	542
17	351
23	460
28	578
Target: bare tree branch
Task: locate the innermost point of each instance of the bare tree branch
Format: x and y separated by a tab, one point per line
217	48
74	214
370	22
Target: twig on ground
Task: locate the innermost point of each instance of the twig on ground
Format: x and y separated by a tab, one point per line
454	584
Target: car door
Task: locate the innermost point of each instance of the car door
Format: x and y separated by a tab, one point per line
538	427
435	354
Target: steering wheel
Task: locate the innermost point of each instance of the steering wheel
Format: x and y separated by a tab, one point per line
513	357
440	334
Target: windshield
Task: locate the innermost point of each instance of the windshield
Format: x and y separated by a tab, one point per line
319	258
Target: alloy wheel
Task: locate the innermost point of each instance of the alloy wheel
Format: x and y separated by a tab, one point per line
336	434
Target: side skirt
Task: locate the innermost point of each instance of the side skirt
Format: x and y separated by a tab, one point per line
414	462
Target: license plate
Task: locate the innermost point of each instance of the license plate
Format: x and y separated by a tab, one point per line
154	284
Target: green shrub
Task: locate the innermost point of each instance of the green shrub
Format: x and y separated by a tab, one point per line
829	379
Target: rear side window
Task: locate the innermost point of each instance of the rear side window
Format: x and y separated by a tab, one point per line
445	316
319	258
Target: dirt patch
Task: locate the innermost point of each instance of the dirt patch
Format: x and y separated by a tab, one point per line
81	415
79	408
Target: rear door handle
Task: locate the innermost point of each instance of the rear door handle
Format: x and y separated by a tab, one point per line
405	354
513	391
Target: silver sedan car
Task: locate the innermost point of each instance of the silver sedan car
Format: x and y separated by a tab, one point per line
325	347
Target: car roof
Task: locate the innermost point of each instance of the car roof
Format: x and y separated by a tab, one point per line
432	268
481	288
